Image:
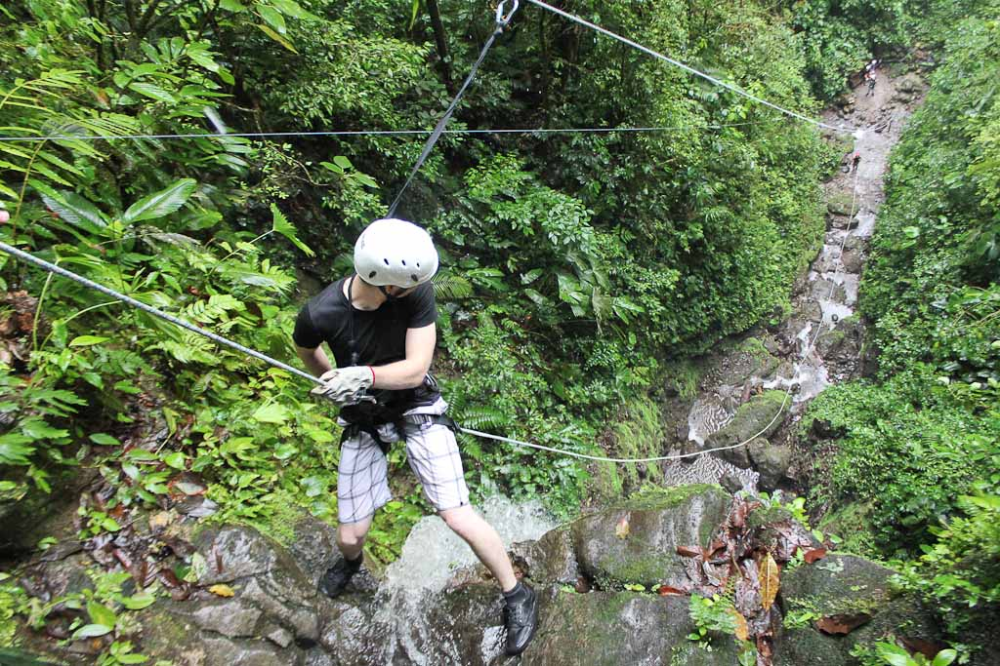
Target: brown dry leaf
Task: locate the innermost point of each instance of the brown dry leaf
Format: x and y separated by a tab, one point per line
926	648
687	551
222	591
622	528
742	631
769	581
842	624
814	555
666	591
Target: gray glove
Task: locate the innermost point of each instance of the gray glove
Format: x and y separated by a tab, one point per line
345	385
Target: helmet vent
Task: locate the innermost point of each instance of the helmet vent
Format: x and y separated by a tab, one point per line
402	261
385	260
418	264
414	278
372	274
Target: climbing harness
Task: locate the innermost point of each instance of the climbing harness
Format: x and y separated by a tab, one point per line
57	270
502	21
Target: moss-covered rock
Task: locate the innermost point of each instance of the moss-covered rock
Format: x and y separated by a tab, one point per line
609	629
658	522
755	417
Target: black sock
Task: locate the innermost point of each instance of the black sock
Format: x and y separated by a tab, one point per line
355	564
516	593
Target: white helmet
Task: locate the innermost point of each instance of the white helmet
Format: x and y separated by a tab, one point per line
395	252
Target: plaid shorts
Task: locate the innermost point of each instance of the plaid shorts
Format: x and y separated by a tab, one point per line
363	485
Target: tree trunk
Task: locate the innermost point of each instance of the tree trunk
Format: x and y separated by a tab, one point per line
442	44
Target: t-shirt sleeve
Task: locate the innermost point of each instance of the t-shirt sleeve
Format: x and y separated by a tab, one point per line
306	335
424	312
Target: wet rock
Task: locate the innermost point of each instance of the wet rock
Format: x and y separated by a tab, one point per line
222	651
279	636
731	483
806	646
233	618
911	83
838	584
752	419
658	523
852	261
314	547
348	629
839	204
618	628
772	461
551	559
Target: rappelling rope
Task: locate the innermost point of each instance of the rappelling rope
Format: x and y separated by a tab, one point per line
502	21
57	270
409	132
687	68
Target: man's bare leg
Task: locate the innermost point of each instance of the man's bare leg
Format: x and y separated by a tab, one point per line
484	541
351	538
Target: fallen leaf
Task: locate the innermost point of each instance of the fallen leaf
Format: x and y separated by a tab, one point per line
687	551
666	591
742	631
622	528
814	555
222	591
842	624
926	648
769	581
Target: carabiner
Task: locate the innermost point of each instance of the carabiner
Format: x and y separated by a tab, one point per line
504	19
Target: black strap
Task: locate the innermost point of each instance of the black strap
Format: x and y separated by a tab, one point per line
406	425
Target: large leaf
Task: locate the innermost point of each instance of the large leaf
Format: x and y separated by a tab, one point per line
293	9
272	413
153	92
101	614
769	581
72	208
270	32
273	18
284	227
161	203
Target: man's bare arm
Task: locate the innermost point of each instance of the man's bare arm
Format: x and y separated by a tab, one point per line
410	372
315	360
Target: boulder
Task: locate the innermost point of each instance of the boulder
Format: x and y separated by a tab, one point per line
657	523
620	628
551	559
771	461
753	418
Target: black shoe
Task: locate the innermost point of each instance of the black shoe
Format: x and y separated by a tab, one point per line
337	577
520	618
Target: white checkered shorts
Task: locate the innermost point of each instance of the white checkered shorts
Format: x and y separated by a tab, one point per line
363	486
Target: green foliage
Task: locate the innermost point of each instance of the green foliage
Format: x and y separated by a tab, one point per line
918	445
894	655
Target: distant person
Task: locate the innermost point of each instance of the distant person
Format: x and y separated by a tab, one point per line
855	161
871	78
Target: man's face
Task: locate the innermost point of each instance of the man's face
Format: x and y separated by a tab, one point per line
399	292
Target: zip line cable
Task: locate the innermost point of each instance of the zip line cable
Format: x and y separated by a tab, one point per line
502	21
265	135
687	68
57	270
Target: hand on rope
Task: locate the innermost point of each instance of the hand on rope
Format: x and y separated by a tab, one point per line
346	386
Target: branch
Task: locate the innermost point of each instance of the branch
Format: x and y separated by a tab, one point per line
144	22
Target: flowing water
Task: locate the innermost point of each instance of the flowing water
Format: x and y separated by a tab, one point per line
829	297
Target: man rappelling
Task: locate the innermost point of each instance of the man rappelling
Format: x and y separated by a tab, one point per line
379	323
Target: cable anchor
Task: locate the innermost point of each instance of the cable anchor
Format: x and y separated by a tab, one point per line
502	18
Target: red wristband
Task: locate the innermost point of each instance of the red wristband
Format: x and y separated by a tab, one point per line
373	374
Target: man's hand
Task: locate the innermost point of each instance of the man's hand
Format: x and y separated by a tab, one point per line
4	216
343	385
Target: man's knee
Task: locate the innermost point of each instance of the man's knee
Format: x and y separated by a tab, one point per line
461	520
352	534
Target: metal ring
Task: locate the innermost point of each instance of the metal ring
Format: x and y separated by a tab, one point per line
503	20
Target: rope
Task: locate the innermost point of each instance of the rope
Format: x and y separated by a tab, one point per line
52	268
501	22
687	68
265	135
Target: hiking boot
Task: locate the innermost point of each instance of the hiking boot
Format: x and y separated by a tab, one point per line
337	577
520	616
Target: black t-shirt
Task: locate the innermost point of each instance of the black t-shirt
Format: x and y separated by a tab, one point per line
379	338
